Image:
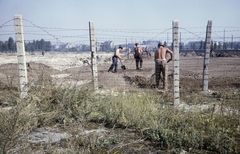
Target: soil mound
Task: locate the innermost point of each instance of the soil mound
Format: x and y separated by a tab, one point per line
190	54
141	81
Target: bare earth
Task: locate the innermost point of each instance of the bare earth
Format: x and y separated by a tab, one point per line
74	68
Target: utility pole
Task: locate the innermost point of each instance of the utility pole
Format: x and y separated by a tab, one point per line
126	44
224	39
180	42
167	38
232	43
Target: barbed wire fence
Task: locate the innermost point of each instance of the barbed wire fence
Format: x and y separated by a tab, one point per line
120	35
76	69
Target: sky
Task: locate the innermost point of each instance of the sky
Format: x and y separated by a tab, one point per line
121	21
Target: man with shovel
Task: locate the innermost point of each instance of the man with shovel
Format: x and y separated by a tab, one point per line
115	60
161	64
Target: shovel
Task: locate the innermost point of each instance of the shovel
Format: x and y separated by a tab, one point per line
123	66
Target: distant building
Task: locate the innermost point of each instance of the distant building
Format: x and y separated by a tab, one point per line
85	47
194	44
68	46
56	46
98	46
107	46
152	44
63	46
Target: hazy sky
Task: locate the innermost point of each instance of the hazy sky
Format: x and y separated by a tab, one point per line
121	20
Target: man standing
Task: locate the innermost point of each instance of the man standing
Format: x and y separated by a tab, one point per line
129	52
147	52
43	52
138	56
211	53
115	60
161	64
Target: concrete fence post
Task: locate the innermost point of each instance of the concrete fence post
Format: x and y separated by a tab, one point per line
176	61
21	55
93	56
207	55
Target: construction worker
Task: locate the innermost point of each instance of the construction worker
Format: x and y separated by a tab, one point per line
115	57
129	52
138	56
43	52
161	64
147	52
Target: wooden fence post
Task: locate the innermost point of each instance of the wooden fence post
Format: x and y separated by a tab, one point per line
93	56
206	55
176	61
22	69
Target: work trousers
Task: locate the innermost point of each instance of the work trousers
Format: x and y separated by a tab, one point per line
138	58
114	64
161	69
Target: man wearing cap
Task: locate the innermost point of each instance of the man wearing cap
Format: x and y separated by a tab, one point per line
161	64
115	60
138	56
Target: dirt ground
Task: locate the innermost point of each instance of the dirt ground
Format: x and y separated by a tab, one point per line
75	68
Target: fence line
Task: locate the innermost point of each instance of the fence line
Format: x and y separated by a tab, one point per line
95	71
188	70
124	31
65	70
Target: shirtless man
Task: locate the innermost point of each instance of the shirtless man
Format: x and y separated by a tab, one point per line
161	64
115	60
138	56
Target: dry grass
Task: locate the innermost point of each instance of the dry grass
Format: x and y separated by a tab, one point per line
149	113
170	127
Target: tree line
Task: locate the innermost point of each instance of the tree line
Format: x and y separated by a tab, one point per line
38	45
214	45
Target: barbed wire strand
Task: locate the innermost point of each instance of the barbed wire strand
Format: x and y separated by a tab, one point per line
56	37
6	22
42	29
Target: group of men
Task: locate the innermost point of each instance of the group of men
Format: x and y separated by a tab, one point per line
160	59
